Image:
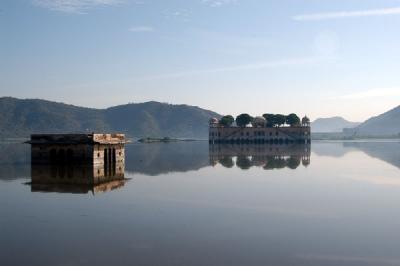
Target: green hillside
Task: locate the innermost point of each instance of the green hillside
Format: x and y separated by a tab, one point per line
20	118
331	124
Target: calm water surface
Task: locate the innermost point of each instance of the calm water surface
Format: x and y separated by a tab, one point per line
195	204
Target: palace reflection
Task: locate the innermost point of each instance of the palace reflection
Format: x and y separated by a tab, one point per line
266	156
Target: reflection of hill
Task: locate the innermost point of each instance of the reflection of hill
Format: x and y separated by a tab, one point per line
15	159
385	151
331	149
266	156
159	158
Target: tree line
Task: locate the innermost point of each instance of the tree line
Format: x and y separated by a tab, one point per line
270	120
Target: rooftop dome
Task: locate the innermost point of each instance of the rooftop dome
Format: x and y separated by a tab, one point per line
213	121
258	121
305	120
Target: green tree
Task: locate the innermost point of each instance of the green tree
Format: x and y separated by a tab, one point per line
292	120
243	120
280	120
243	162
293	162
270	119
227	161
226	121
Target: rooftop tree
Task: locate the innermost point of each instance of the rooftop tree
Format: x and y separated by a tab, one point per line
270	119
243	120
226	121
292	120
279	120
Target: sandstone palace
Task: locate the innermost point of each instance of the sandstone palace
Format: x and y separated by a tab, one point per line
266	129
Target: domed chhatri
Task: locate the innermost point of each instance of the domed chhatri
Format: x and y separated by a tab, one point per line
266	129
305	121
259	121
213	121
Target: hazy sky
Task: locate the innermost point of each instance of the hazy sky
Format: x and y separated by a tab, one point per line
316	57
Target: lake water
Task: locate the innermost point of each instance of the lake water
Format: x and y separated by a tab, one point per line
190	203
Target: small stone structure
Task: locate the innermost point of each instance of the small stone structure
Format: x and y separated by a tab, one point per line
76	159
93	148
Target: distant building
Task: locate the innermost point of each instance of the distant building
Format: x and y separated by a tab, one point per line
259	133
349	131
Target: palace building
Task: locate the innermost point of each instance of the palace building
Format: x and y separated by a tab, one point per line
259	133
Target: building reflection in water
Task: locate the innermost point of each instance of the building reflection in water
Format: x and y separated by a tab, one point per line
73	178
266	156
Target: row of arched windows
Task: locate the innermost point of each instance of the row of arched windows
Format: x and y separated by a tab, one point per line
61	156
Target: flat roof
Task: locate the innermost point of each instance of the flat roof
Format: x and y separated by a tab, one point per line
93	138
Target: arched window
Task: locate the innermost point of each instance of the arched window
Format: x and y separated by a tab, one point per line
61	156
53	156
105	157
106	162
70	155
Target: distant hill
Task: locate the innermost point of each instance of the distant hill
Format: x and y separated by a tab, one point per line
156	119
20	118
332	124
387	124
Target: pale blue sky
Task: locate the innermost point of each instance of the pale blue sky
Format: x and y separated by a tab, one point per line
316	57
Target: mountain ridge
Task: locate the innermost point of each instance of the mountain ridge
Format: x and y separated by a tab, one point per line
331	124
385	124
22	117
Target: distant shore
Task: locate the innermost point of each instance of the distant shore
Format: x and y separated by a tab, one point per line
341	136
163	140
